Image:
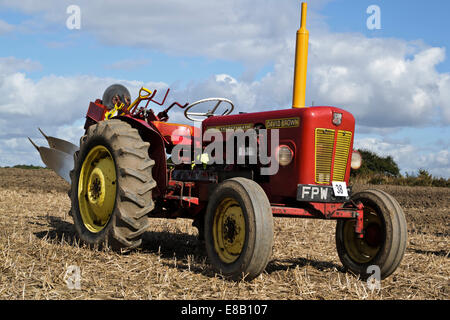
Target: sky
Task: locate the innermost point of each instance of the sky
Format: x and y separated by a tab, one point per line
395	79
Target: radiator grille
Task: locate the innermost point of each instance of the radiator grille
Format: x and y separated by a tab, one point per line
324	154
324	147
344	139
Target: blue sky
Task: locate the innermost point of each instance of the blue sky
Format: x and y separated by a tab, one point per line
425	21
69	52
409	20
394	80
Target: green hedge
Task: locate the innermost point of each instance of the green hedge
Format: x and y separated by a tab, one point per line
25	166
384	170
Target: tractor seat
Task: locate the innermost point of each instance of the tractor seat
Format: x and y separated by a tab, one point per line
176	133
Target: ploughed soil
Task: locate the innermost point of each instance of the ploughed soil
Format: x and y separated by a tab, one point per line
39	248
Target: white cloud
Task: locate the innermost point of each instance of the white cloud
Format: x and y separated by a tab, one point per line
443	100
127	64
385	83
234	30
371	77
9	65
66	100
410	158
5	27
54	100
56	104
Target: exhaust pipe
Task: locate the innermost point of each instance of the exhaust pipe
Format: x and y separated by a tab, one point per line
301	62
59	157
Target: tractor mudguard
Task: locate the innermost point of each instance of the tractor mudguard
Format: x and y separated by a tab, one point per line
157	151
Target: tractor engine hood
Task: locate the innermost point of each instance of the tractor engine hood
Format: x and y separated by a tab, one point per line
280	119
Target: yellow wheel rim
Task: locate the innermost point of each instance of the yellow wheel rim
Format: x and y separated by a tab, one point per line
364	250
229	230
97	188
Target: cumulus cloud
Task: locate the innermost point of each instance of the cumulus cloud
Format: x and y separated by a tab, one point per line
234	30
56	104
385	83
9	65
443	99
5	27
127	64
410	158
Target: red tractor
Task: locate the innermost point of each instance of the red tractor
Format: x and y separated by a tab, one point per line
125	172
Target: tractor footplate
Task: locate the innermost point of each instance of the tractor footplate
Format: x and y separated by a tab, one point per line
177	191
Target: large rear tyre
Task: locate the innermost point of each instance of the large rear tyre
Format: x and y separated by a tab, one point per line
239	229
385	235
112	184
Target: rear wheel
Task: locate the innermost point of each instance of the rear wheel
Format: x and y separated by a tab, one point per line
112	184
385	235
239	229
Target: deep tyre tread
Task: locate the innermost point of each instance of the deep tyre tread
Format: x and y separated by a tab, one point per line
258	243
394	239
403	234
134	185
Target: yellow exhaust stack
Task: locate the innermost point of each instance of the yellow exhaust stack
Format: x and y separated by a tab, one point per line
301	62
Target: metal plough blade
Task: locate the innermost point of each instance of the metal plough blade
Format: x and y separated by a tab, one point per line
59	157
59	144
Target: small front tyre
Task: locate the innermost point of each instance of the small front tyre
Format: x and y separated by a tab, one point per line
385	235
239	229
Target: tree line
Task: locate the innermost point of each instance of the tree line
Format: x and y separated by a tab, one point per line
376	169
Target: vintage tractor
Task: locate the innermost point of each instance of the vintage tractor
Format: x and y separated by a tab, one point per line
133	165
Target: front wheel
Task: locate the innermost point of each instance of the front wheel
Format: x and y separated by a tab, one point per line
385	235
239	229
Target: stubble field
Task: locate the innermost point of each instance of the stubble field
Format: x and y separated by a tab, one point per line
38	244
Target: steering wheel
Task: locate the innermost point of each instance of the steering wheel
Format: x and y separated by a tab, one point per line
210	113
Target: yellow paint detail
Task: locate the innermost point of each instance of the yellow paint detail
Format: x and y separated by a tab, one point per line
114	111
301	62
223	128
324	148
96	179
229	230
203	158
283	123
97	188
360	250
344	139
143	94
324	143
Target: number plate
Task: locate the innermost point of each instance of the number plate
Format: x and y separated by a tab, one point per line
340	189
315	193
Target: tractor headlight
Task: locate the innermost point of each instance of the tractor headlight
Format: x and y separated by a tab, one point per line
284	155
356	160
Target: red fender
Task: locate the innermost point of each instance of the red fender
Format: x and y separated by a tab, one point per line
157	151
